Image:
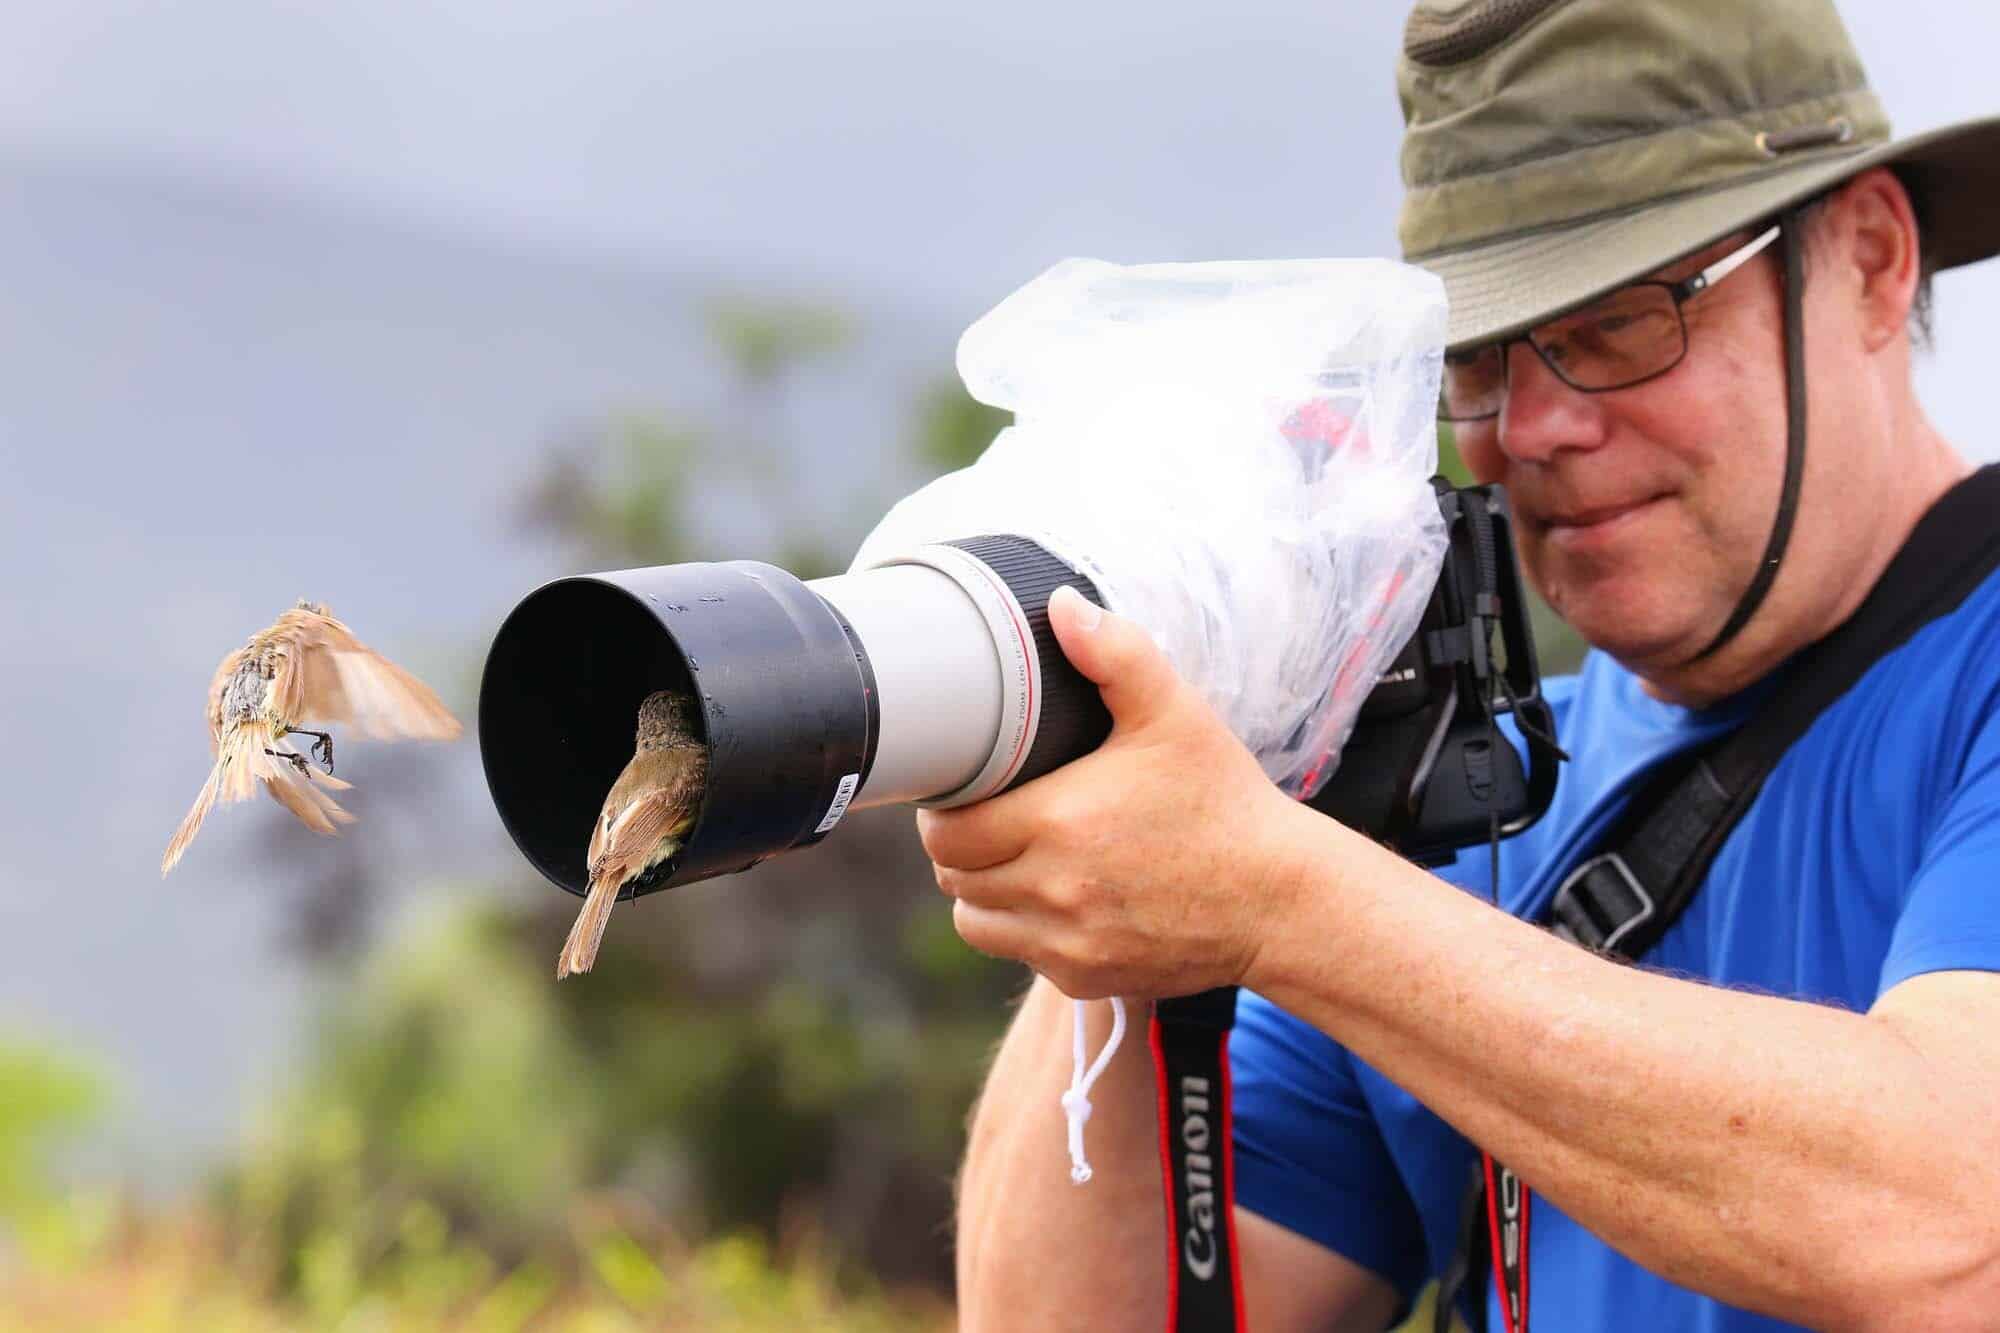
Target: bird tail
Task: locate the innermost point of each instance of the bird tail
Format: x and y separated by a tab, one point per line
191	825
240	765
579	951
298	790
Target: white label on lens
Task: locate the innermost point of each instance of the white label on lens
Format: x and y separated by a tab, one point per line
841	796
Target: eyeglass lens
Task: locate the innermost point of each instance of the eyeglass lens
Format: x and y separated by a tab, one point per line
1630	335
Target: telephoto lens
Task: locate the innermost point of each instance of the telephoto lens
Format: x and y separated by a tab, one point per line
930	678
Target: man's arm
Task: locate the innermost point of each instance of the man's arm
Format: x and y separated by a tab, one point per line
1035	1251
1832	1168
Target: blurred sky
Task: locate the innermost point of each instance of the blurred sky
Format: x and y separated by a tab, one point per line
296	292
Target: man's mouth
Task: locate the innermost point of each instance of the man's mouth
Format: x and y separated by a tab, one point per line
1594	522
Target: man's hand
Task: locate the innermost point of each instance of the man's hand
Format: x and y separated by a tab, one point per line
1151	867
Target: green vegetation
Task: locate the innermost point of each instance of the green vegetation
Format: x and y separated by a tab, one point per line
47	1098
172	1275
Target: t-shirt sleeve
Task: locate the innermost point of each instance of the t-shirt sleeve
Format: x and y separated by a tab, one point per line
1308	1153
1951	915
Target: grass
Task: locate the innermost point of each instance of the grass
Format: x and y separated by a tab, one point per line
116	1269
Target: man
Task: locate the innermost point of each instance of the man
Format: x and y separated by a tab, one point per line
1791	1109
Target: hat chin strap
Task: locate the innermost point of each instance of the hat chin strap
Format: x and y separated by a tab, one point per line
1793	240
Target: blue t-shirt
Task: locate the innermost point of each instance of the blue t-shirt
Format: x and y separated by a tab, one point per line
1871	855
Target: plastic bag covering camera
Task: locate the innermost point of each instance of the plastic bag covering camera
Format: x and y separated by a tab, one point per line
1238	454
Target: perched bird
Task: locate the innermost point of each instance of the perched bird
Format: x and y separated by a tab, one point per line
308	667
645	818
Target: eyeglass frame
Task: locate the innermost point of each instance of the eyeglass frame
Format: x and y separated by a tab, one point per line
1681	292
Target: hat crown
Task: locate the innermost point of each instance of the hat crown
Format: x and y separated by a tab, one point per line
1524	115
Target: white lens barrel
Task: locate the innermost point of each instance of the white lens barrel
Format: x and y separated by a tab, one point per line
931	678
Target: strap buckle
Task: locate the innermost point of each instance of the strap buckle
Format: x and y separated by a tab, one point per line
1600	903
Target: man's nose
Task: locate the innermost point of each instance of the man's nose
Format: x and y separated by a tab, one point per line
1543	415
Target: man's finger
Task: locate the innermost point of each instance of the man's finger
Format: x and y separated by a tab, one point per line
1000	888
1117	654
973	837
992	931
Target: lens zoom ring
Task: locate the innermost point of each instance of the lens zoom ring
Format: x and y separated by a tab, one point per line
1073	720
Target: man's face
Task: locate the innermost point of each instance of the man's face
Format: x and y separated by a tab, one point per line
1641	513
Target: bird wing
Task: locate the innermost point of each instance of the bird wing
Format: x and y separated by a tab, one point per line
331	676
632	839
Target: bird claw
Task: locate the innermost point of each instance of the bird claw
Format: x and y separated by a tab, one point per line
321	748
297	761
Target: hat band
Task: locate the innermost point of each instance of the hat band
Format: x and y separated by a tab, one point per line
1630	172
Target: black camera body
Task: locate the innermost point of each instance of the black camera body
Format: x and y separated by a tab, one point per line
1426	770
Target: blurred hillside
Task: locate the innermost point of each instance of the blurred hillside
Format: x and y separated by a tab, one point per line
219	399
764	1077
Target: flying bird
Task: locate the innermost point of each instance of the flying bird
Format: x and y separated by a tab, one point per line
306	668
645	819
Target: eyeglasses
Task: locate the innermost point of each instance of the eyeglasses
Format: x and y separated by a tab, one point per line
1634	334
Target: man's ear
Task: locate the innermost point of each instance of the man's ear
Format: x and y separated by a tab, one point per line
1877	235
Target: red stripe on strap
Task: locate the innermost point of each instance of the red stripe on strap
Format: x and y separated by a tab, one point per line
1166	1173
1494	1243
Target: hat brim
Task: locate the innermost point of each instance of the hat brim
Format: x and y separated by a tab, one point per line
1503	287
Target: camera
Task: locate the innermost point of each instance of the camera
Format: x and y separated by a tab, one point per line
1426	770
933	679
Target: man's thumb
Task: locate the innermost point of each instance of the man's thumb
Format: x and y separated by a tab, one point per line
1114	653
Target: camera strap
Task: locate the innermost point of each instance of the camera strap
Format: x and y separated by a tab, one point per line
1622	901
1190	1040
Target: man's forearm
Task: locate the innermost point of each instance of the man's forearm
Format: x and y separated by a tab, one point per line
1035	1250
1782	1156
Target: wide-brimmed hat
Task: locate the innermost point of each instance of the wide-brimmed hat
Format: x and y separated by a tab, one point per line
1556	149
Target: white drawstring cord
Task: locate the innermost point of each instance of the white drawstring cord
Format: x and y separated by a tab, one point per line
1076	1101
